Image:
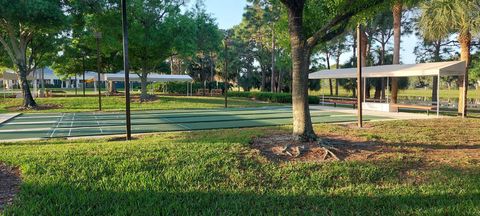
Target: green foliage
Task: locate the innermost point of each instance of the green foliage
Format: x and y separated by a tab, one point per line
272	97
441	17
181	87
217	172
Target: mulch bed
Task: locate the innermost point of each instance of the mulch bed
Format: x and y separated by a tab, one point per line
333	147
9	184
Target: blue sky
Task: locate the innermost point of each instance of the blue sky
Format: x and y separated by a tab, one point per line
229	13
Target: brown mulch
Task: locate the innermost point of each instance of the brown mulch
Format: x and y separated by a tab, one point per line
151	98
9	184
39	107
351	148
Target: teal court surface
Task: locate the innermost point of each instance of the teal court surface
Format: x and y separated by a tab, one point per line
64	125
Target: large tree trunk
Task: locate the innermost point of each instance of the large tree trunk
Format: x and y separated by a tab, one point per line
42	83
465	40
436	58
397	32
328	67
143	86
28	101
302	123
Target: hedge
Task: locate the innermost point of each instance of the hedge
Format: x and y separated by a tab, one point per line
272	97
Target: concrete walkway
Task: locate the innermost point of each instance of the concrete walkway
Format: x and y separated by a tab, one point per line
391	115
7	116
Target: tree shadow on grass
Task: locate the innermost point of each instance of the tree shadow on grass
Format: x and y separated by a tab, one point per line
70	200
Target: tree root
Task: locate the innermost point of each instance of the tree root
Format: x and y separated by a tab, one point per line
328	151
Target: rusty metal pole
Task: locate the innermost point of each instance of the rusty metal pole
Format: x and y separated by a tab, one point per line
359	77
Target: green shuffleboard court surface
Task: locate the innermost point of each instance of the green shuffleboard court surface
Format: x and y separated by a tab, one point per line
61	125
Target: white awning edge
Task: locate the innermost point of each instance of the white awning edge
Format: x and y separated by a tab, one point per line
450	68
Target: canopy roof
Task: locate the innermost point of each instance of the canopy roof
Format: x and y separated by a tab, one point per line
120	76
451	68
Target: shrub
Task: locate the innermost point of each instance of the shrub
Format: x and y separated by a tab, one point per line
272	97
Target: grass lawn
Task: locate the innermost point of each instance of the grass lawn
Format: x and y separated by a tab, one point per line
82	104
217	172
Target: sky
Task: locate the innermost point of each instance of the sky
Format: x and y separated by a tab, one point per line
229	13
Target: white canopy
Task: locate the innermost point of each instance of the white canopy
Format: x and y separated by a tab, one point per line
451	68
120	76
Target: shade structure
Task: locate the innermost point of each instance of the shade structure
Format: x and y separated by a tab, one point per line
450	68
120	77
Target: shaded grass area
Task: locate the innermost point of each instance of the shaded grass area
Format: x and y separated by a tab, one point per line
216	172
85	104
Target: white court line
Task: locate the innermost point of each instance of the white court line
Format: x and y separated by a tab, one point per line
37	117
51	135
30	123
98	123
71	125
181	125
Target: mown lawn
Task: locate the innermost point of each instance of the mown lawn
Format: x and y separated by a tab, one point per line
217	173
82	104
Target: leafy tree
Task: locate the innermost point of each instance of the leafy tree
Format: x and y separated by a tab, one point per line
20	23
311	23
442	17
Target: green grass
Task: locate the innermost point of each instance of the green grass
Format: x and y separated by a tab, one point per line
216	173
82	104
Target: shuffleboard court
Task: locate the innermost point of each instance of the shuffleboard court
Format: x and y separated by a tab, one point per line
64	125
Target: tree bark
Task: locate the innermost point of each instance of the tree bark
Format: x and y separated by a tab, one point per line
273	84
436	57
465	40
143	86
28	101
302	123
397	31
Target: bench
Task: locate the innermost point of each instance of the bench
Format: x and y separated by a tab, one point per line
216	92
344	101
418	107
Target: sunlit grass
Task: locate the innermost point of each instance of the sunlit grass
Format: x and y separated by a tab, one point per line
215	172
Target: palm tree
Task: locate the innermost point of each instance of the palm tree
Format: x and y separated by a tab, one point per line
397	10
442	17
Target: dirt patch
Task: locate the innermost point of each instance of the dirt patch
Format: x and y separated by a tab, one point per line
150	98
39	107
281	148
9	184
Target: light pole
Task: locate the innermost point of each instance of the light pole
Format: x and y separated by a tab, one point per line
98	36
359	76
126	69
227	40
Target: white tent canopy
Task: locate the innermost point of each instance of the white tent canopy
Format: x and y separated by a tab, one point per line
450	68
120	76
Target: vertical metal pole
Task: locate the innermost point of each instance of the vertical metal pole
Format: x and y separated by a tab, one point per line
84	81
359	77
126	69
387	95
226	73
438	96
98	36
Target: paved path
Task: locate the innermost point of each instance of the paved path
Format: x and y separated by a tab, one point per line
7	116
388	115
